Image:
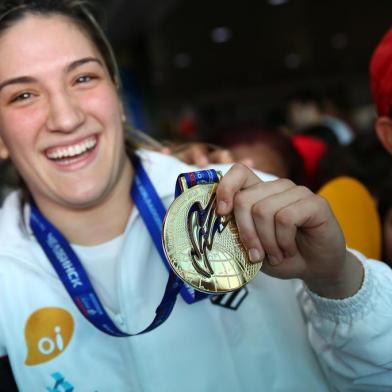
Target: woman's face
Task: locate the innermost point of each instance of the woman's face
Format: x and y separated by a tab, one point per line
60	115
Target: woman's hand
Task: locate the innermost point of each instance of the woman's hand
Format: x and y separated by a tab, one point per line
292	229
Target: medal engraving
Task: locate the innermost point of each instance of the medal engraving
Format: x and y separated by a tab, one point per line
202	226
203	248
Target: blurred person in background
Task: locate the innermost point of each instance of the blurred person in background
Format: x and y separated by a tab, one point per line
315	129
366	160
269	151
306	115
381	87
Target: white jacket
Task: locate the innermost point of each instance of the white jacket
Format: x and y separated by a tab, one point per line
281	337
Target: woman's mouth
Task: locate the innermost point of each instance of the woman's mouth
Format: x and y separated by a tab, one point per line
71	154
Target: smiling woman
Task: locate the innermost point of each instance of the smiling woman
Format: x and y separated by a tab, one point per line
61	101
82	267
62	117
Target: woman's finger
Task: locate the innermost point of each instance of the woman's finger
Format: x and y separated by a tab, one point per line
237	178
275	231
255	208
244	204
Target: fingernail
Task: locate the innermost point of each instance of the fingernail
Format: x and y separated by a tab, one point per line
254	255
222	207
273	260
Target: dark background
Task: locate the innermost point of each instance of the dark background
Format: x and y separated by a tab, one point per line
171	66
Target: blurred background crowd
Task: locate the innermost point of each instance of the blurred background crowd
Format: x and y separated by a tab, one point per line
284	82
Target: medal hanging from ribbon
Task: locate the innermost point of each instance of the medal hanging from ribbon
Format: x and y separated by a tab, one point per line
202	227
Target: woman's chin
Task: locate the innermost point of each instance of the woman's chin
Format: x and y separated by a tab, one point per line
82	199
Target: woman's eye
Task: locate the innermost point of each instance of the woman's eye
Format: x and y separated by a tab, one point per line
84	79
22	97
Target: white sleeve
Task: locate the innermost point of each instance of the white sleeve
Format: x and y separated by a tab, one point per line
353	337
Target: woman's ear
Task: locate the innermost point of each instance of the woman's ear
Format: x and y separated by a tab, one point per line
384	132
4	154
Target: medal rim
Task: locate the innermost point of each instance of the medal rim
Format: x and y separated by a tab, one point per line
169	259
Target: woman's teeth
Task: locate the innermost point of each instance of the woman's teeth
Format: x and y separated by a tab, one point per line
72	151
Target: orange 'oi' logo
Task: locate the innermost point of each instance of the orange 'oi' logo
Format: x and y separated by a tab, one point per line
48	332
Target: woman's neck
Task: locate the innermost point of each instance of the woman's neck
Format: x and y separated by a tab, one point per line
97	224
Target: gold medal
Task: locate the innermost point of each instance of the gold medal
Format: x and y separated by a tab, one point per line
203	248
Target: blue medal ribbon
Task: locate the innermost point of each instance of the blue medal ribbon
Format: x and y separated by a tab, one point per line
73	275
196	178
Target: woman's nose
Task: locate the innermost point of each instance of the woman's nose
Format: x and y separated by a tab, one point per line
65	113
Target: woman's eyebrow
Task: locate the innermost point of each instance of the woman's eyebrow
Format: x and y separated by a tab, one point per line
17	80
70	67
82	61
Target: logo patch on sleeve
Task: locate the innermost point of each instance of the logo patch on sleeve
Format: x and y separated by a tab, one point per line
48	332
